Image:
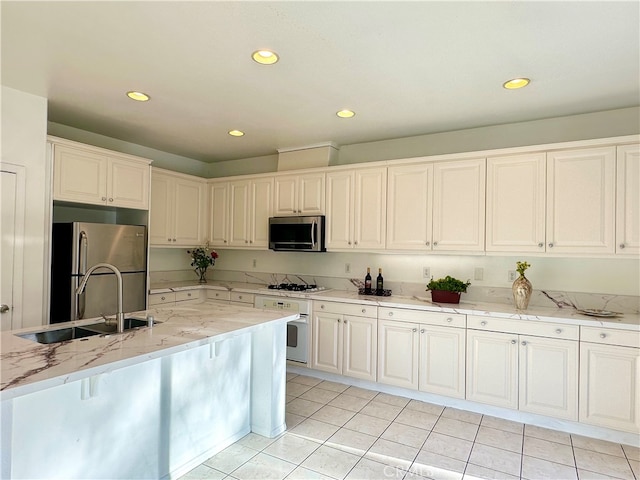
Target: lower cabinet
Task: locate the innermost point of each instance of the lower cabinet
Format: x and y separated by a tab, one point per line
508	368
610	379
426	356
180	297
220	295
344	339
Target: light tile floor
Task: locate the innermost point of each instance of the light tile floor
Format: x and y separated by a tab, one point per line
340	432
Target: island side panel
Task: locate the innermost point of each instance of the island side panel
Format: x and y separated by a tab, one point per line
268	379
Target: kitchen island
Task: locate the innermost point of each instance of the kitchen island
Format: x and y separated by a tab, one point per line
147	403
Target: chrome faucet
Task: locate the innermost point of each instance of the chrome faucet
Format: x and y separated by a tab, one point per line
85	279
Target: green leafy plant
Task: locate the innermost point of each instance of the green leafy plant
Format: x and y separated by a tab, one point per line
521	267
202	257
448	284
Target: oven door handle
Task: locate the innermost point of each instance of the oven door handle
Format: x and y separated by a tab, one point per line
313	233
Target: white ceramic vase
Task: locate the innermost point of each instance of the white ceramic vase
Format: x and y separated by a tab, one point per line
522	290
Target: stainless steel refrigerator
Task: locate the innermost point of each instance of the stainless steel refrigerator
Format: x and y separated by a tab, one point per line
78	246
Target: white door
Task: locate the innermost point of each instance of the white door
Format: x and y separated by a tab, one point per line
326	351
128	184
189	208
261	208
79	176
370	217
492	368
628	200
339	221
239	213
548	380
161	230
12	191
311	194
360	339
285	195
218	208
442	354
398	344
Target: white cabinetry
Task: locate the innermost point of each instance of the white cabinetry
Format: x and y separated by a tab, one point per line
344	339
422	350
178	209
249	212
459	205
628	200
85	174
610	378
219	295
581	201
521	365
219	216
299	194
356	209
180	297
516	203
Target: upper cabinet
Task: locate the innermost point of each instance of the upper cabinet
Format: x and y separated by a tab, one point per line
581	201
516	187
301	194
628	200
178	209
240	211
356	209
89	175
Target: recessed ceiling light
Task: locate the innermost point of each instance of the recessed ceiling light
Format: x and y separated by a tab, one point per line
138	96
265	57
516	83
236	133
345	113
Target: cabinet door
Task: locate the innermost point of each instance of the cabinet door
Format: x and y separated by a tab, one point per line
326	351
161	214
311	194
409	198
492	368
189	212
285	195
398	344
516	203
339	219
459	205
580	201
128	184
442	361
610	386
360	347
239	213
79	176
218	208
548	381
261	210
370	217
628	200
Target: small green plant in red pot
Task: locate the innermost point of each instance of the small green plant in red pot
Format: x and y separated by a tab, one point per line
447	289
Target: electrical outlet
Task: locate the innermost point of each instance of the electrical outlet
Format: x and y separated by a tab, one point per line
426	272
347	268
512	275
478	273
255	263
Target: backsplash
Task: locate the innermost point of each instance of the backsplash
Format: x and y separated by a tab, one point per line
475	293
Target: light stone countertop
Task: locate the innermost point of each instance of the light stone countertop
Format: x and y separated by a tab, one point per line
627	321
28	366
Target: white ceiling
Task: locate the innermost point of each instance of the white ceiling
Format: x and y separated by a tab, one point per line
405	68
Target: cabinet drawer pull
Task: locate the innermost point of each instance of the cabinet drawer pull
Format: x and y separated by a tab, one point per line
603	335
483	323
240	297
364	310
162	298
513	342
449	319
558	330
391	314
322	307
188	294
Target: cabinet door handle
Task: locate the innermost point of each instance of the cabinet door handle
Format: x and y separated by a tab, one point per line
540	244
104	199
483	323
414	330
349	242
603	335
435	244
558	330
345	321
224	241
168	239
513	342
524	344
428	243
111	199
355	243
338	320
551	245
622	245
422	330
174	239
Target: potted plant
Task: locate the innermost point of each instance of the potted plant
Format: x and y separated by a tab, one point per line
447	289
202	258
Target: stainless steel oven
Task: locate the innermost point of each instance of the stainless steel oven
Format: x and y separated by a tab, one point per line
297	330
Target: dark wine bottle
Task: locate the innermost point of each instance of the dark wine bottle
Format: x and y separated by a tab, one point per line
379	283
367	282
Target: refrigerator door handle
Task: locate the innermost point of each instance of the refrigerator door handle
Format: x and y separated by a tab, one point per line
82	268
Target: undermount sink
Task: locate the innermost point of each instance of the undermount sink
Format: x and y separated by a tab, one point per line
72	333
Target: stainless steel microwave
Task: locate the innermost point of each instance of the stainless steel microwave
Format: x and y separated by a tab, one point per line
297	234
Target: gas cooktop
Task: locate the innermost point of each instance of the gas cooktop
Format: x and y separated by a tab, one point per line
296	287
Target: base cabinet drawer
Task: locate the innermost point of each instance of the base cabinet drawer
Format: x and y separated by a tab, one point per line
222	295
188	296
240	297
161	298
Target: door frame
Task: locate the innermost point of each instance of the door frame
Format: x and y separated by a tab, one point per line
18	248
